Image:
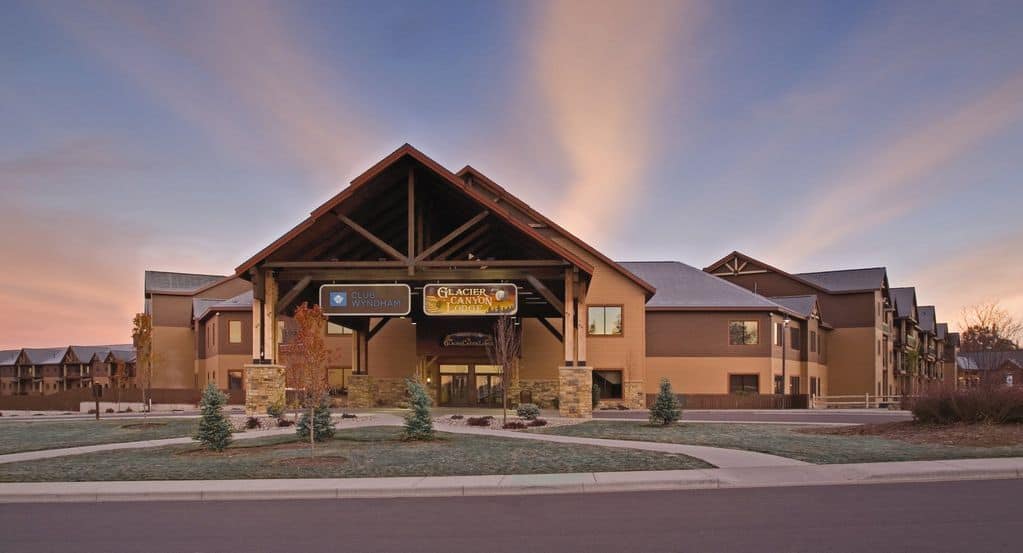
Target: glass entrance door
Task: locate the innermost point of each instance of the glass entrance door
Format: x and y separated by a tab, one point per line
489	385
454	384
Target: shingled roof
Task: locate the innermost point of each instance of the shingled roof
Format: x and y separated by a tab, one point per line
848	280
804	305
161	281
203	307
45	356
927	318
680	286
904	299
942	331
9	357
85	353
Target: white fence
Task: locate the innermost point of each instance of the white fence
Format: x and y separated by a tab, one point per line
865	401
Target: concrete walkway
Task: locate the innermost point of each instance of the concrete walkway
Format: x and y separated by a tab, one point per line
719	457
518	484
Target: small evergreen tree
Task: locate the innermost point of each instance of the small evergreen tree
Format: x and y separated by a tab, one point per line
666	409
214	428
418	423
323	425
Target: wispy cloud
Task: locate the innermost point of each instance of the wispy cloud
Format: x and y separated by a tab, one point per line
889	180
602	68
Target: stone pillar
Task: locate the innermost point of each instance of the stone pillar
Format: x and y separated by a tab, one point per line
575	392
360	391
264	386
633	395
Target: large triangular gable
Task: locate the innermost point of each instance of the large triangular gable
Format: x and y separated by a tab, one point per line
738	263
501	195
445	175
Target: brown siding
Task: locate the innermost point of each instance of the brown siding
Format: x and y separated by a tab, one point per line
682	333
172	310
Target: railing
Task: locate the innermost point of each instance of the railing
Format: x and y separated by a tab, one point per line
865	401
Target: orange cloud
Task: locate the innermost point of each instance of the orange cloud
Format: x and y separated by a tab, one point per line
601	69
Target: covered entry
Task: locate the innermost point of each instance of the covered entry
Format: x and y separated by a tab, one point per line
409	221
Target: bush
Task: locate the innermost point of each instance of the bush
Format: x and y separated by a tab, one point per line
109	410
284	423
622	407
527	411
128	410
214	429
323	424
479	421
666	409
92	411
457	417
252	423
993	404
275	409
348	416
537	422
514	425
595	391
418	422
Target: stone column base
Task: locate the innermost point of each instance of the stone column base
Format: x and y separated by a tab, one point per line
264	386
633	395
360	391
575	392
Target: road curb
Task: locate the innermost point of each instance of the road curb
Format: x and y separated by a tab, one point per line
520	484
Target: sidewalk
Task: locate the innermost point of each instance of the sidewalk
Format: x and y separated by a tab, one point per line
521	484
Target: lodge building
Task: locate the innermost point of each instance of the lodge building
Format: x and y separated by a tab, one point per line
450	252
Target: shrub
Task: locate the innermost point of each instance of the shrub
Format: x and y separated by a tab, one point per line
109	410
92	411
214	429
666	409
252	423
457	417
595	391
537	422
527	411
418	422
275	409
622	407
284	423
514	425
323	424
348	415
128	410
993	404
479	421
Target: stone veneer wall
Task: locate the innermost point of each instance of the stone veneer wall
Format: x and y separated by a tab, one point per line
632	397
545	392
366	391
575	392
264	386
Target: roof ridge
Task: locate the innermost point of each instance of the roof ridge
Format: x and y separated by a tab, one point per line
878	268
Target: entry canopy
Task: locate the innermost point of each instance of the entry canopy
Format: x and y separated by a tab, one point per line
408	220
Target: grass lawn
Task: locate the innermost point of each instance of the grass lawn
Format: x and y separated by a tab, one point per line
797	442
16	437
374	451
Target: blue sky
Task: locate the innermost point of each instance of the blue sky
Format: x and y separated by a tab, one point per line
814	135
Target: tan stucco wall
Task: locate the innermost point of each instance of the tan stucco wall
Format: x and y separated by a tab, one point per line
392	351
705	375
626	352
174	357
541	352
853	363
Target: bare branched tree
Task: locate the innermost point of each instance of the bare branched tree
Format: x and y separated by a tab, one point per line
504	351
987	326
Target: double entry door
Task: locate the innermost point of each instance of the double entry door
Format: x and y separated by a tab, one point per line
471	384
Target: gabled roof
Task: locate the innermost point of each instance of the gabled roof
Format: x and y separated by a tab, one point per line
905	302
942	331
954	339
121	356
927	318
849	280
682	287
9	357
806	305
45	356
966	363
84	354
983	360
201	308
178	283
470	172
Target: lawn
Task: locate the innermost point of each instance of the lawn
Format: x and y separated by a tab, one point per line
797	442
16	437
360	452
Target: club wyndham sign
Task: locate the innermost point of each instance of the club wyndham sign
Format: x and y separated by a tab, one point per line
454	300
366	300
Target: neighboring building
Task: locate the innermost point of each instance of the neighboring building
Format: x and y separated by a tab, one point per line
948	343
1002	367
47	371
9	382
855	305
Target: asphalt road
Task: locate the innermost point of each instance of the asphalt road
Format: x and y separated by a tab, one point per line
931	517
794	416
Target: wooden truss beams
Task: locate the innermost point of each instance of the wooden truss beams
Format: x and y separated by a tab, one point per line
452	235
372	238
541	289
297	289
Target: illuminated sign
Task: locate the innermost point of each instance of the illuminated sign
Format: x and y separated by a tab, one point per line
366	300
468	339
470	300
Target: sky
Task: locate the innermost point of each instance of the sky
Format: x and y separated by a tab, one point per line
186	136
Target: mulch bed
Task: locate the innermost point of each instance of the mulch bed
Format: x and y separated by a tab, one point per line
964	435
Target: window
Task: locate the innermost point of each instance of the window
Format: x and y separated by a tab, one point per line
334	329
779	332
604	320
743	333
778	383
234	379
234	330
743	383
813	341
794	385
794	339
609	383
